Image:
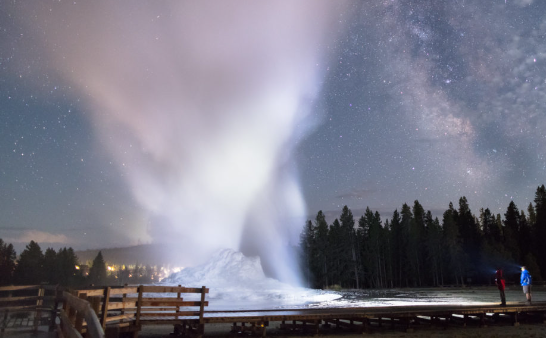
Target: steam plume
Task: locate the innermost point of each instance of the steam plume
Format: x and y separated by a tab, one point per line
198	104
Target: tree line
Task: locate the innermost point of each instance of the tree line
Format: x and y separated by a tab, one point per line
62	267
413	249
35	267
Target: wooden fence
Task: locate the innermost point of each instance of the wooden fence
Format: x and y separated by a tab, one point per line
126	309
26	306
104	311
74	315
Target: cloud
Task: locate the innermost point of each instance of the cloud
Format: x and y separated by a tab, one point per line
357	193
39	237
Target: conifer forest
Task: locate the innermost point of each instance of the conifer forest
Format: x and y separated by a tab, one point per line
413	249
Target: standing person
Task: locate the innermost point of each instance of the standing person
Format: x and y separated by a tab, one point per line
525	281
499	281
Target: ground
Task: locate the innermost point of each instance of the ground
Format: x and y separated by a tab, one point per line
505	331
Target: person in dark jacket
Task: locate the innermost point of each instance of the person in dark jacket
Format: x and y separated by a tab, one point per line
525	281
499	281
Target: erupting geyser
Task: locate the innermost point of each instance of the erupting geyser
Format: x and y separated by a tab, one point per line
238	281
198	103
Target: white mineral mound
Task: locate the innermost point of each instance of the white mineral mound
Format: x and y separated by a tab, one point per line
225	268
238	282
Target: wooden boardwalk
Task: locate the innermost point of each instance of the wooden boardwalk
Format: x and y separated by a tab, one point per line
369	319
115	311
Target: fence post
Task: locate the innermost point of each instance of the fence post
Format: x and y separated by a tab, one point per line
105	307
5	323
80	315
39	303
54	309
70	311
123	299
201	313
95	304
139	306
178	297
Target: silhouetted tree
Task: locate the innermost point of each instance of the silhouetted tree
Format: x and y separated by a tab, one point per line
540	229
51	267
405	226
321	238
349	265
336	252
524	236
374	248
389	254
399	244
97	272
452	242
66	262
470	238
30	267
416	247
435	250
532	218
511	231
413	249
307	247
7	263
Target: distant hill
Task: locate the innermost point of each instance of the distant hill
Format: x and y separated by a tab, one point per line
144	254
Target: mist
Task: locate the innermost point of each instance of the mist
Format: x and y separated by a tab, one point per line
199	105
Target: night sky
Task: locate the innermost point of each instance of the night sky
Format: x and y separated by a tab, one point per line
214	123
432	100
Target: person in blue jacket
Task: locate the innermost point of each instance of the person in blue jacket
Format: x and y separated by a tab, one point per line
525	281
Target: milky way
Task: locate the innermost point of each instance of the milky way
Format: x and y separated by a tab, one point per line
123	124
432	101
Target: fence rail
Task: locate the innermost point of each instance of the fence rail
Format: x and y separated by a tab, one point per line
126	309
25	306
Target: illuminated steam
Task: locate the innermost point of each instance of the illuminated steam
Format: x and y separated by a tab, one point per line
198	104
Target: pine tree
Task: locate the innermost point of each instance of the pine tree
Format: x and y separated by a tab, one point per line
491	231
416	253
470	238
374	248
350	270
539	231
525	237
399	244
308	248
532	219
335	254
511	231
30	267
7	263
322	245
434	252
405	226
452	241
51	267
97	272
362	233
389	254
66	262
